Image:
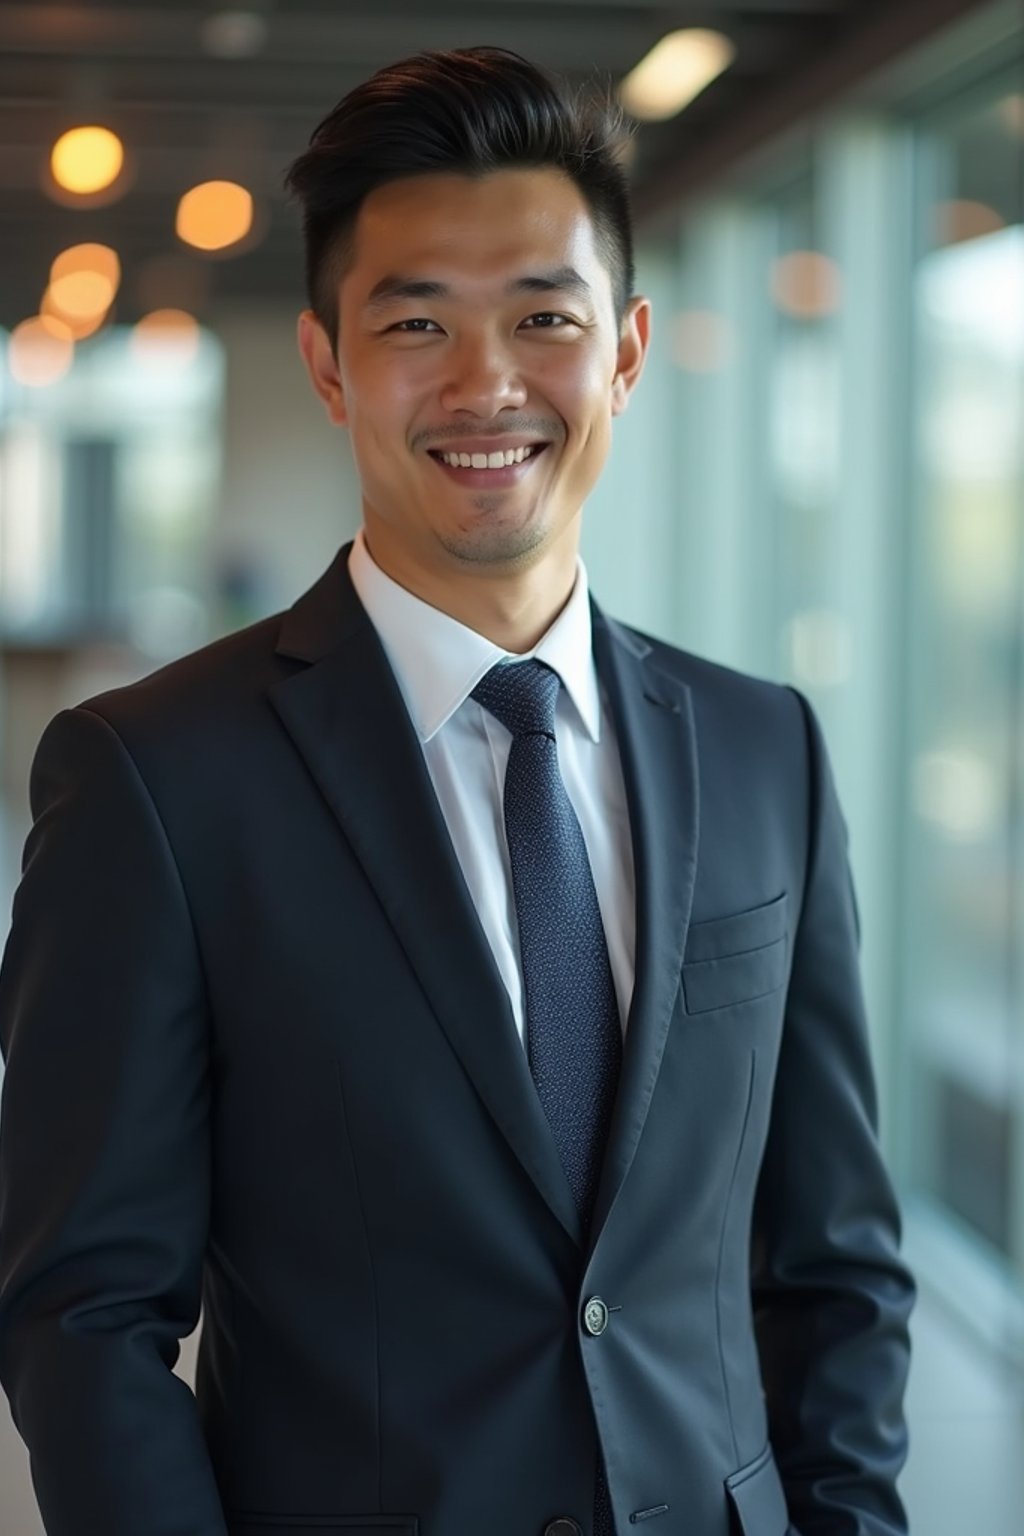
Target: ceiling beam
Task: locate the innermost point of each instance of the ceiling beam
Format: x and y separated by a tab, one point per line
798	95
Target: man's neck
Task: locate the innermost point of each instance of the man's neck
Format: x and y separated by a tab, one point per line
511	609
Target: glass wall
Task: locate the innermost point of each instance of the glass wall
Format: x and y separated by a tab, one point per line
803	442
109	482
963	987
848	349
108	485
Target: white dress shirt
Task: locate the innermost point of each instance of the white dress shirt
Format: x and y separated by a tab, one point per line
438	662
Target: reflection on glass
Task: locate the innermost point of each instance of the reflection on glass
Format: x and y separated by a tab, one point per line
108	484
965	1010
804	439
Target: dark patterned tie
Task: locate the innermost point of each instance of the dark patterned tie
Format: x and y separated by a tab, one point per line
573	1033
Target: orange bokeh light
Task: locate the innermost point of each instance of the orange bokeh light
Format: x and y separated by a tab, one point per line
40	352
166	336
83	281
806	285
965	219
214	215
80	326
85	160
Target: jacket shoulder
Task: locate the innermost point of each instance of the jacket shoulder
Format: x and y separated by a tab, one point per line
712	683
762	731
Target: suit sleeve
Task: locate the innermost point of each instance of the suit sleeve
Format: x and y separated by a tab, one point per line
831	1296
104	1151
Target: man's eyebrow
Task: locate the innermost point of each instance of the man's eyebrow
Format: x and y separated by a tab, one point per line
396	286
561	280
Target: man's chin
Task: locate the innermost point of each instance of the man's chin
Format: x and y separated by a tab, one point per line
499	546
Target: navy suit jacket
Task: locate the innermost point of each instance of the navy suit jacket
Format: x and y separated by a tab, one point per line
260	1060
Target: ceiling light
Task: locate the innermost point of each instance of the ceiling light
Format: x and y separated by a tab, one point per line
84	280
806	284
82	294
166	336
86	160
214	215
675	71
964	219
80	326
40	351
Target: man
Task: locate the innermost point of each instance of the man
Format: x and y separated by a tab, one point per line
450	988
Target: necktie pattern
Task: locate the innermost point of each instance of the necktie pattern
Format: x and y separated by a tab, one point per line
573	1033
574	1039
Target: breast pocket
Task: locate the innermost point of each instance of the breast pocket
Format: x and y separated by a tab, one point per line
734	959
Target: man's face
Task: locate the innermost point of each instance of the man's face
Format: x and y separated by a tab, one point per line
476	318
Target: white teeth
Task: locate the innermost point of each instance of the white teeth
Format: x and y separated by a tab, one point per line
489	460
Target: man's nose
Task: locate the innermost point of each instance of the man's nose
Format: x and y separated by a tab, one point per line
482	377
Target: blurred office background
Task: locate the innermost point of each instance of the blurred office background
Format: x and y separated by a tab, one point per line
821	480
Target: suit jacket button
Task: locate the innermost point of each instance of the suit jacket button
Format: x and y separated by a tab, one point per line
563	1526
595	1321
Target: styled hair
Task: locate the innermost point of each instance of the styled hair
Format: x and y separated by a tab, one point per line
471	111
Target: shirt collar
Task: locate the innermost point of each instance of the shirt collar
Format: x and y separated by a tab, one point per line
438	661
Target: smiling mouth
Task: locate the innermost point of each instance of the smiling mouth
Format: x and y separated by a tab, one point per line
488	463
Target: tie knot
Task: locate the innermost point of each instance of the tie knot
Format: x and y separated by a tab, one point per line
521	695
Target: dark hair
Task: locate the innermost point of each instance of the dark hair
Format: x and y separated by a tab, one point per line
470	111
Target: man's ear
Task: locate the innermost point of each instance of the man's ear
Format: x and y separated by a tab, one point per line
634	340
322	366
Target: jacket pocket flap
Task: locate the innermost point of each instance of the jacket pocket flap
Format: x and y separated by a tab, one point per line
733	979
721	936
757	1496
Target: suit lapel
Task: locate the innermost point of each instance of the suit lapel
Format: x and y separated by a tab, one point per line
347	718
657	744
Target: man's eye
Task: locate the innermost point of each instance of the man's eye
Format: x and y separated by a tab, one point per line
548	315
412	325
